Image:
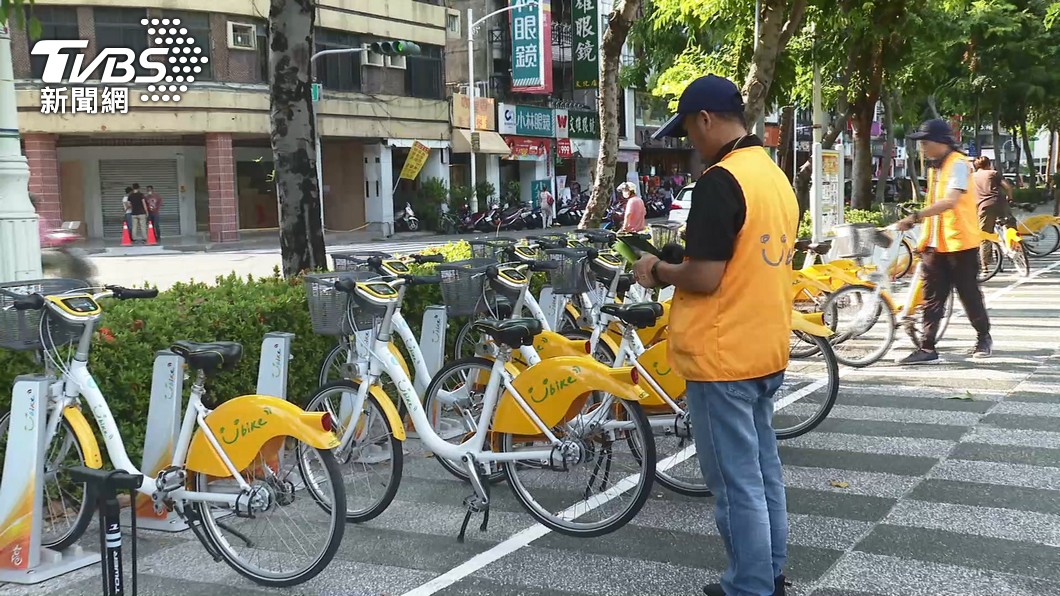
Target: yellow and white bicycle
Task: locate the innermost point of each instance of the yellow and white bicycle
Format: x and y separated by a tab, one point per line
254	478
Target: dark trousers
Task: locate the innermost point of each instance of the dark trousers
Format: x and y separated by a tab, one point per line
944	271
153	218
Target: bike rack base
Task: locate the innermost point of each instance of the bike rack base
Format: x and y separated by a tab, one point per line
22	559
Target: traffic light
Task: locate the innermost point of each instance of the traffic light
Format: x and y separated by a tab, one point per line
395	48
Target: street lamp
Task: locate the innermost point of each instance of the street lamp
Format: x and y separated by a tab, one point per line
472	27
386	48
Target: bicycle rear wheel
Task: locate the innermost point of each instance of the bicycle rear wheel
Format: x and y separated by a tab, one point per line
810	388
993	264
1044	242
864	325
372	463
68	506
603	475
294	530
903	263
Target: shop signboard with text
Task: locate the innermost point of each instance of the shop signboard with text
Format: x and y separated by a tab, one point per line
586	41
525	121
531	46
583	125
485	116
527	148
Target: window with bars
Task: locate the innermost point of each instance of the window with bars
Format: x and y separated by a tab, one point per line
423	74
340	72
198	26
263	51
121	28
57	22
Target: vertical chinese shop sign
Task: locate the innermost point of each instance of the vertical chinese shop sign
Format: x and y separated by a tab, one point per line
532	47
586	18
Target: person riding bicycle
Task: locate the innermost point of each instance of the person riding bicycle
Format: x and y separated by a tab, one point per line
730	328
993	207
949	246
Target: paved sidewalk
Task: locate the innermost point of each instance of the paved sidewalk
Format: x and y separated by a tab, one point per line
952	479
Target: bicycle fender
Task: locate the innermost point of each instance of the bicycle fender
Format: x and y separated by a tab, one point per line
811	324
401	359
1012	236
245	424
85	437
656	361
389	410
556	389
550	344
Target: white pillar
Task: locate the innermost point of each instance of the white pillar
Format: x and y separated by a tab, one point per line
437	166
379	191
493	174
19	236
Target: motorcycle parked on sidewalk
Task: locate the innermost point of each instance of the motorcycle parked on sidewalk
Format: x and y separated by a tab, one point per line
532	218
487	221
61	257
512	218
407	221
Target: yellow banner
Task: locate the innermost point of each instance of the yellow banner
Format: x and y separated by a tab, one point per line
417	157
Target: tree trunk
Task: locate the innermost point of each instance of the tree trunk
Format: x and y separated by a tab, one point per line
787	130
291	111
618	24
780	20
912	171
999	163
1027	151
1019	153
887	161
861	174
1050	168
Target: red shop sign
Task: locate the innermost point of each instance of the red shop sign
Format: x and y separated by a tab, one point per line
528	148
563	149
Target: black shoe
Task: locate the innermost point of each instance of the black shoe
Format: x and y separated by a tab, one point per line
779	584
920	357
984	347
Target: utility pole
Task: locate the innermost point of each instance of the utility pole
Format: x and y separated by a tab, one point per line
760	125
19	233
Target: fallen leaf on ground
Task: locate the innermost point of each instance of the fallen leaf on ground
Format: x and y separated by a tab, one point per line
839	484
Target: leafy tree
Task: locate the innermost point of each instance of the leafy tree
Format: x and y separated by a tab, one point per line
9	8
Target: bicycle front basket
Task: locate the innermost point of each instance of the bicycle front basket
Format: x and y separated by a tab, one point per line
572	274
495	249
22	329
665	233
464	286
354	261
857	241
330	309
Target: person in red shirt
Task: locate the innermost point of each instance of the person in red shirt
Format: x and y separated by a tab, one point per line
635	211
154	207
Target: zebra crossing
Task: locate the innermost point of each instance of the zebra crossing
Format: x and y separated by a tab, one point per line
940	479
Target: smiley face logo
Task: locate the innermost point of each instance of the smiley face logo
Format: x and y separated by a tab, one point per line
785	254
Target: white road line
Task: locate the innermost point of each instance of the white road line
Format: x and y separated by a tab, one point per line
523	538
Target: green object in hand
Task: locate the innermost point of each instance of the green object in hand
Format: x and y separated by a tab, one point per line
626	251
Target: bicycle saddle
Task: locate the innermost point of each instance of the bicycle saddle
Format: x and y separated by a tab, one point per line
512	333
640	315
210	357
807	245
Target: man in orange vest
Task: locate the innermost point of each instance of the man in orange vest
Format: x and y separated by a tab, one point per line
949	244
730	325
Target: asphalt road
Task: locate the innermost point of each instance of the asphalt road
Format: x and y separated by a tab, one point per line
943	479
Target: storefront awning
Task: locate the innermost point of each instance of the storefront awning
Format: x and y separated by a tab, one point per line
489	142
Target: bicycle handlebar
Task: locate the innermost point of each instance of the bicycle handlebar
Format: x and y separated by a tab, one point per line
544	266
131	293
428	258
30	302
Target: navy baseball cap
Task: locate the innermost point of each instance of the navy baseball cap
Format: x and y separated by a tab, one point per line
934	130
705	94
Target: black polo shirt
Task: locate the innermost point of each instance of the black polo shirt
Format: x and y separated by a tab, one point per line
718	209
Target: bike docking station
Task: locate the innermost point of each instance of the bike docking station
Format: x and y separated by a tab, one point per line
165	413
22	558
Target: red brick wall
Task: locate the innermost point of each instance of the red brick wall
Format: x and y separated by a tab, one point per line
221	188
44	174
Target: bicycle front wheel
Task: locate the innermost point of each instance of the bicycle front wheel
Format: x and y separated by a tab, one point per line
810	388
993	264
1044	242
599	476
67	507
864	325
373	461
331	368
296	515
1020	260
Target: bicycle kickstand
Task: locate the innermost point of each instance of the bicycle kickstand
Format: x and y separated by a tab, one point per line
477	502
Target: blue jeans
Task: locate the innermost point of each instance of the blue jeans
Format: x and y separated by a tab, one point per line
732	423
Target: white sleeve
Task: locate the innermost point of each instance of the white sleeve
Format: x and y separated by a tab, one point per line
959	175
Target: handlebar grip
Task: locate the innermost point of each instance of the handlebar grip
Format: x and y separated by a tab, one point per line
492	272
31	302
133	294
422	280
592	253
429	258
345	284
544	266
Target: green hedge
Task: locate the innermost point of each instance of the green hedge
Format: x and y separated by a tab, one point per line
232	309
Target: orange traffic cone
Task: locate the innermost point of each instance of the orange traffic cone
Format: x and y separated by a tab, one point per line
126	239
151	234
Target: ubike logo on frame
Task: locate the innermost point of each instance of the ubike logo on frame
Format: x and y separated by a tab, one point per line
166	68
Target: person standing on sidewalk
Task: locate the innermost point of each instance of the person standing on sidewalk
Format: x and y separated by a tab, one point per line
154	207
139	215
949	245
995	193
730	325
635	212
548	207
128	208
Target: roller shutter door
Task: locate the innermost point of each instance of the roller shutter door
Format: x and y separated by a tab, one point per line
116	174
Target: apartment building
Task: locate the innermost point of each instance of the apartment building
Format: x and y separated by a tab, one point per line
208	154
546	133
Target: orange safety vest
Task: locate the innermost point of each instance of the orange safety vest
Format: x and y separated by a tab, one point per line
958	228
742	331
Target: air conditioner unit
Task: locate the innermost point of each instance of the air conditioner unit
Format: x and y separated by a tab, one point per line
242	36
371	58
399	62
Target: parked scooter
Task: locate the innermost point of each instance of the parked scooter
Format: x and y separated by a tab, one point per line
60	256
512	218
532	218
568	214
488	220
407	221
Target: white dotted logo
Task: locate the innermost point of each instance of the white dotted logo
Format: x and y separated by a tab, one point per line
183	62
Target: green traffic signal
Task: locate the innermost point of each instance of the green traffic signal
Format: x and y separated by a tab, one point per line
395	48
